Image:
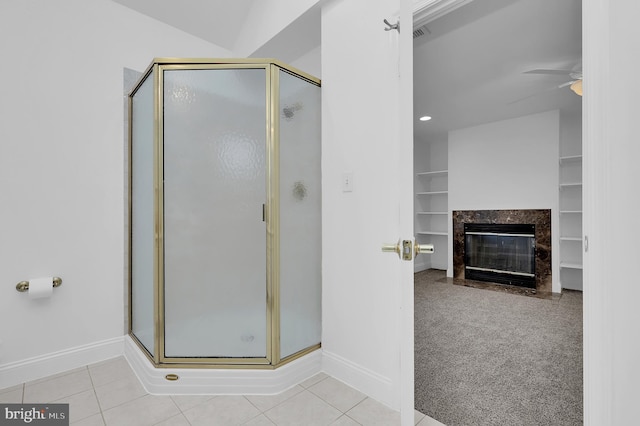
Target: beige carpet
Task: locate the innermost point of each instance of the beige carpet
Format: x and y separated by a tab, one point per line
492	358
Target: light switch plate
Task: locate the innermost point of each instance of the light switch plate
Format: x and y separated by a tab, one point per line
347	182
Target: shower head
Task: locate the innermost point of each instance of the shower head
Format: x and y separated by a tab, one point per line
288	111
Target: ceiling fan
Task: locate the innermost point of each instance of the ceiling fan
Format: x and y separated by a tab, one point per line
575	74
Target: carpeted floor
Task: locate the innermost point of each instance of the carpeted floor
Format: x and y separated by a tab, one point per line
491	358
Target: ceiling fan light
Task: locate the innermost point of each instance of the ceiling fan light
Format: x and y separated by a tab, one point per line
576	86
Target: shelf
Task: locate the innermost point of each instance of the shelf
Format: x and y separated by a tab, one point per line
434	174
432	193
570	159
569	188
432	233
570	265
432	213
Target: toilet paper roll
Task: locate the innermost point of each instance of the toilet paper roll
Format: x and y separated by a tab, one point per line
40	288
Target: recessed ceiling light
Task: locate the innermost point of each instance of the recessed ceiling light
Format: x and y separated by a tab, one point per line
425	118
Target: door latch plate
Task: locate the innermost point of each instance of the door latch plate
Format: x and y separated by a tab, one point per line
407	250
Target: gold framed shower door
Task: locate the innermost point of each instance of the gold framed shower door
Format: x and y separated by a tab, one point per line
155	71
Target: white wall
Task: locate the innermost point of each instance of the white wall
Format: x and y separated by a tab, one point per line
509	164
570	133
62	165
311	62
265	20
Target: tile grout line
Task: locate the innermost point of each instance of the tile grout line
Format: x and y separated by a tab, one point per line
319	381
331	405
253	418
93	386
57	376
264	413
278	404
350	418
179	410
304	389
182	412
252	404
122	403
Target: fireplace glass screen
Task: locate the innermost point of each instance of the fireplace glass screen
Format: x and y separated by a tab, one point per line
501	253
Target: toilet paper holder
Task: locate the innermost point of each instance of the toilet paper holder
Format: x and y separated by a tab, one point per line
23	286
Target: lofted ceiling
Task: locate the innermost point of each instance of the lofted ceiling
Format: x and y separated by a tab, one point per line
217	21
468	65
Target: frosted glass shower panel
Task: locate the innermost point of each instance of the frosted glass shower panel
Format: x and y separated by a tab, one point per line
300	209
142	215
214	234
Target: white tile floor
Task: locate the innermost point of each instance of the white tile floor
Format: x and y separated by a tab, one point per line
108	393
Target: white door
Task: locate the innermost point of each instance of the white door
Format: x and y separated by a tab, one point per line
406	211
367	198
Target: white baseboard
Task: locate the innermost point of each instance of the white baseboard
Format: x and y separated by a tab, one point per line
372	384
203	381
57	362
196	381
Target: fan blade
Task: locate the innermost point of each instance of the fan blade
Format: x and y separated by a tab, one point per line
547	90
548	72
568	83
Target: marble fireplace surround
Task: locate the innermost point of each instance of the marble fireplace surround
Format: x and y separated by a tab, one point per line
540	218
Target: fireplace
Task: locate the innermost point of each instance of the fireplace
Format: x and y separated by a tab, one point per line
499	230
500	253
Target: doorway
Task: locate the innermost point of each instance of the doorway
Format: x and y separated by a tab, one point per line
468	85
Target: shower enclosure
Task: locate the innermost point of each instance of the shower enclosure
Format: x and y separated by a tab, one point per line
225	202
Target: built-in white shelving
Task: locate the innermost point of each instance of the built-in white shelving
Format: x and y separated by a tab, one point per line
577	239
434	174
431	233
570	159
570	193
432	192
431	203
571	265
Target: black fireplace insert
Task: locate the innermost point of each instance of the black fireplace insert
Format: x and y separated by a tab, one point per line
500	253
